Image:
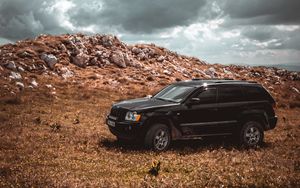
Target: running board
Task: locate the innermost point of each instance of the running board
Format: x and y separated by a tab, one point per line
197	137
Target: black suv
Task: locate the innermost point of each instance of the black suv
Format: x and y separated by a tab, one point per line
196	108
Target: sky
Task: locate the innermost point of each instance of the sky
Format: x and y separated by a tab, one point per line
250	32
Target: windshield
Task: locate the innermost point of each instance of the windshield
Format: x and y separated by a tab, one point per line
174	93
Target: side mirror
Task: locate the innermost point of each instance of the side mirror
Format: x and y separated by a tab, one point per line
195	100
149	96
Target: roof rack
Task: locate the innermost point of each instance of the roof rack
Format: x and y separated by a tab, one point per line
213	78
221	80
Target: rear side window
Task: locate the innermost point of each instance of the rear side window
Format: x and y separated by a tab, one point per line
208	96
256	94
230	94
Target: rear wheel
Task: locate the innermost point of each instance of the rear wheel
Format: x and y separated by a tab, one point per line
252	134
158	137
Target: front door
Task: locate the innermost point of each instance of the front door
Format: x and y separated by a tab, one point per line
198	115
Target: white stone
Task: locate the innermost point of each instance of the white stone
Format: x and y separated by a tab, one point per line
167	72
15	76
20	69
34	83
66	73
296	90
20	85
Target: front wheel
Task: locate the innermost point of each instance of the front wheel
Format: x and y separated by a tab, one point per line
252	134
158	137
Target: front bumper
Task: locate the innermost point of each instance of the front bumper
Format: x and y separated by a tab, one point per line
125	129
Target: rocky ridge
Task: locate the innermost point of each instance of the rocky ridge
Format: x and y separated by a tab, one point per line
103	61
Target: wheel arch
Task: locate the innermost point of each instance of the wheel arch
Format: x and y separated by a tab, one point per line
255	116
175	133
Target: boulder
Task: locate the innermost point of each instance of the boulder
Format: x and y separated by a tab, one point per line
211	72
127	59
136	50
107	40
142	56
160	58
11	65
93	61
80	60
50	59
151	53
117	58
98	53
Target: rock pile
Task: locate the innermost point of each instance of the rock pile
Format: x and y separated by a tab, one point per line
103	60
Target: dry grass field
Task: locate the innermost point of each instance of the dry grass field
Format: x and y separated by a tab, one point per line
62	141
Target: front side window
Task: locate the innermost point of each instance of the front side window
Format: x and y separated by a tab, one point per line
208	96
174	93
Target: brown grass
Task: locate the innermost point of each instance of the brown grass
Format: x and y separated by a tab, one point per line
33	153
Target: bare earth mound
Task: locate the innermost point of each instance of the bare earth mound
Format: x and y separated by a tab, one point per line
57	90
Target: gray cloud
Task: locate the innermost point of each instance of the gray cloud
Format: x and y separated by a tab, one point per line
22	19
138	16
219	31
263	11
255	33
276	38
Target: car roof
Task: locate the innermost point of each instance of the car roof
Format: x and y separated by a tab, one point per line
202	82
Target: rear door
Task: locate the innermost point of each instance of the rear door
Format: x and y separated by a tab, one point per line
231	102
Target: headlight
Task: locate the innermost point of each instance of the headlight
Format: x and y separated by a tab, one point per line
132	116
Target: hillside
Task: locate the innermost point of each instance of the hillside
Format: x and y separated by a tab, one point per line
103	61
57	90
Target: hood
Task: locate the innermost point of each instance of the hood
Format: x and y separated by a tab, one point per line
144	103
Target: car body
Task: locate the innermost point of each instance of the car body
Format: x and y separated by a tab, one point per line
196	108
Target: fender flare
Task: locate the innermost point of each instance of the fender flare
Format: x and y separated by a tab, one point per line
260	115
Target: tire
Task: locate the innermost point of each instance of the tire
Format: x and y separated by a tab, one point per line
252	134
158	137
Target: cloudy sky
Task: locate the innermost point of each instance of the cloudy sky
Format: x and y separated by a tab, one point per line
251	32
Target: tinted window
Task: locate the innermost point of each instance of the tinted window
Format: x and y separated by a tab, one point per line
208	96
255	93
230	94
